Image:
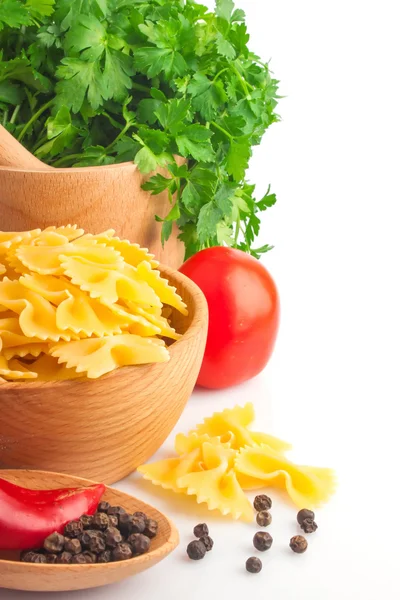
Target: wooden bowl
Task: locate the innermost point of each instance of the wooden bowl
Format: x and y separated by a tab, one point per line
104	429
57	578
95	198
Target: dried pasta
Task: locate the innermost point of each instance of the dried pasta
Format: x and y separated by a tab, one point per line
221	459
79	305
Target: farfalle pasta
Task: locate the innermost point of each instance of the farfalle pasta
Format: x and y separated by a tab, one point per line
222	458
79	305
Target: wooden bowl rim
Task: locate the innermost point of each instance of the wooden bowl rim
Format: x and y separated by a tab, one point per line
76	170
171	542
199	310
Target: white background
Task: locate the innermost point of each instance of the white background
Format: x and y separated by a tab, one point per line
332	387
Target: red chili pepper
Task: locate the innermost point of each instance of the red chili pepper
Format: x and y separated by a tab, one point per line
27	517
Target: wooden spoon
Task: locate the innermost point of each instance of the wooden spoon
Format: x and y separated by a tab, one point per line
13	154
57	578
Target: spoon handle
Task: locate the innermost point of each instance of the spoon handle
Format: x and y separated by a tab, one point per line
13	154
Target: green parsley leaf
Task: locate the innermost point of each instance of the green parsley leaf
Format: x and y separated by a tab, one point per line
209	217
224	9
237	159
153	61
207	95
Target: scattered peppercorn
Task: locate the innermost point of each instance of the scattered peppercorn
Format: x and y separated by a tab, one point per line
64	558
100	521
151	528
122	552
262	541
196	550
104	557
309	526
86	521
73	529
33	557
304	513
253	565
298	544
113	537
103	507
200	530
73	546
51	559
264	518
207	541
262	502
54	543
139	543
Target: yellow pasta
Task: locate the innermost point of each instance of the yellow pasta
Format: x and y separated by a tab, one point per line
166	473
99	356
75	304
261	466
232	424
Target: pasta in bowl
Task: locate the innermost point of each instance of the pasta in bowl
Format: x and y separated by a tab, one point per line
74	308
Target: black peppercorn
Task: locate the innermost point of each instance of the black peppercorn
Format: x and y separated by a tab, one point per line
64	558
304	513
86	521
196	550
140	515
129	524
253	565
264	518
116	510
97	544
139	543
262	502
54	543
33	557
73	546
113	520
100	521
207	541
87	537
81	559
104	557
73	529
309	526
51	559
262	541
113	537
91	556
103	507
298	544
151	528
121	552
200	530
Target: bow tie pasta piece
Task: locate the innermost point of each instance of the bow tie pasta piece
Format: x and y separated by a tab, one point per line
37	316
3	269
166	292
166	472
260	467
232	424
161	323
187	443
46	368
134	323
14	370
52	288
107	285
11	334
217	484
99	356
48	262
71	232
27	351
132	254
10	238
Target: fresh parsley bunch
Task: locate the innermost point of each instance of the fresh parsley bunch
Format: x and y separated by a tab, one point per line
95	82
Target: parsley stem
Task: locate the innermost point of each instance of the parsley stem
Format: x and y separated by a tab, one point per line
220	73
245	85
33	119
119	136
222	130
140	87
65	159
237	231
15	113
5	117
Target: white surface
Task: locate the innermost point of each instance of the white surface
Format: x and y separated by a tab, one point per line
332	387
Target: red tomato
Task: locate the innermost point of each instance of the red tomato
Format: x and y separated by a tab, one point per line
243	304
